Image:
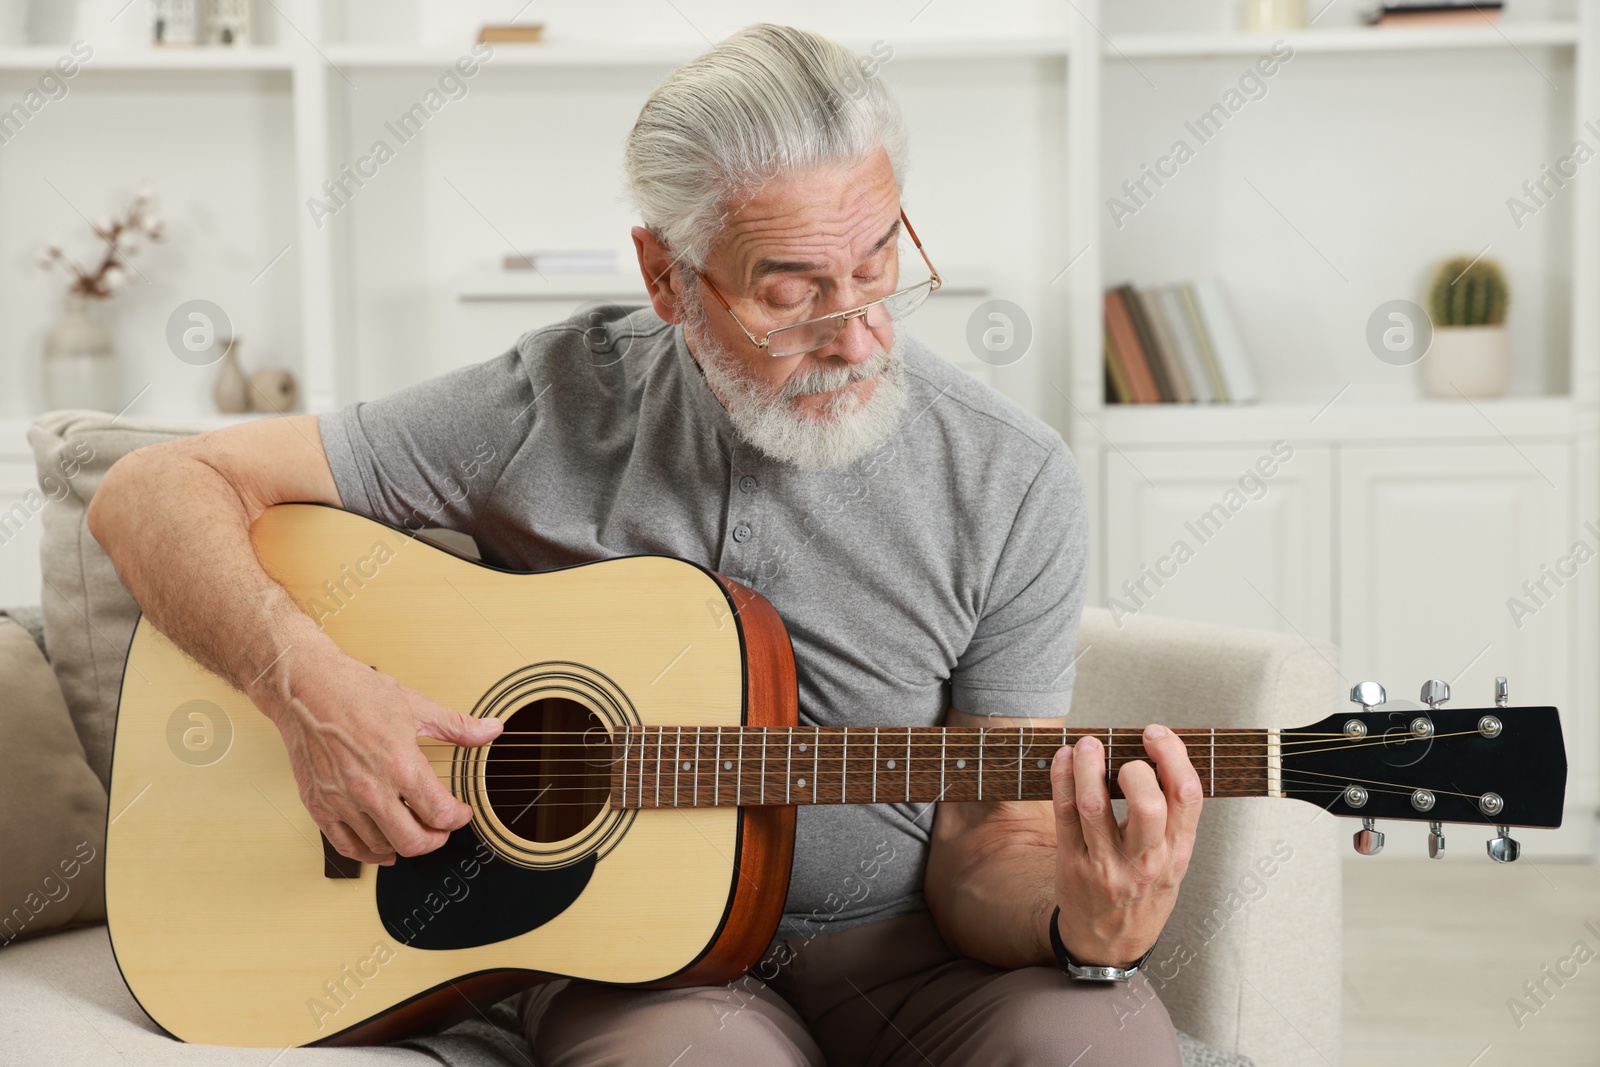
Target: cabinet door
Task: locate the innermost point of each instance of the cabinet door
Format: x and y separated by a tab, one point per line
1436	543
1228	543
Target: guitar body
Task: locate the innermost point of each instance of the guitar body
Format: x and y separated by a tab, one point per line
227	916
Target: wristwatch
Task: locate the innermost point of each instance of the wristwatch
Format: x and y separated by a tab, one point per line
1091	972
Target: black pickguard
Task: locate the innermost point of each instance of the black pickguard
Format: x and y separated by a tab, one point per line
462	895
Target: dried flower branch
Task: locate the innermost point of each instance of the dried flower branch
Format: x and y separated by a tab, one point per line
123	237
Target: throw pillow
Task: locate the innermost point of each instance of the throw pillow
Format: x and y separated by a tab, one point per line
53	836
88	616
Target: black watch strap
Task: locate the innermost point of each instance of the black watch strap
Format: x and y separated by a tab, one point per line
1089	972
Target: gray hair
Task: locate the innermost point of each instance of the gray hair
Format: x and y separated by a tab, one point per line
768	102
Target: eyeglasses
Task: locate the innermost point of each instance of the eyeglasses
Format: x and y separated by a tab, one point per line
808	336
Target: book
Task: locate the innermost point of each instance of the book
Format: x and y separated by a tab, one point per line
1226	344
1117	389
1202	344
1144	345
512	33
1165	349
1176	324
1125	345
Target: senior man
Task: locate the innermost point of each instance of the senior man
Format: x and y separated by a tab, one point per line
923	538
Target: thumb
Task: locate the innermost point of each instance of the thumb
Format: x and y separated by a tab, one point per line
445	724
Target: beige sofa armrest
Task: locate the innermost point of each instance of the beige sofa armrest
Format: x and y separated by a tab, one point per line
1251	958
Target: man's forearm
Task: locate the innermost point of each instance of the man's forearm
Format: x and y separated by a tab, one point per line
993	902
178	532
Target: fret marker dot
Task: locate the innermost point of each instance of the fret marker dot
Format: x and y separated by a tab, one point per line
961	764
686	765
727	764
802	783
891	765
802	748
1043	764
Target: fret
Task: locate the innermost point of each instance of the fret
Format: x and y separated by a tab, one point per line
788	765
695	802
677	760
1109	756
981	735
661	740
1213	761
625	766
908	764
738	768
716	771
844	762
763	765
1021	754
874	764
816	762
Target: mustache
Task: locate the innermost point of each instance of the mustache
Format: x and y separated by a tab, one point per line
827	379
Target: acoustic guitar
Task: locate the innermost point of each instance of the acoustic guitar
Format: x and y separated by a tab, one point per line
633	823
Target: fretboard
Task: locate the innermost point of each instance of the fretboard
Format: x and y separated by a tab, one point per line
702	766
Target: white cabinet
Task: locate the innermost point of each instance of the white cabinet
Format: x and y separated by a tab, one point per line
1436	544
1231	535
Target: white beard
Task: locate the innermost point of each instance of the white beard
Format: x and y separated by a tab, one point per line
847	428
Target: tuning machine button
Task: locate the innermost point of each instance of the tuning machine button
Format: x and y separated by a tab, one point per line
1368	694
1435	840
1369	841
1502	691
1504	848
1435	693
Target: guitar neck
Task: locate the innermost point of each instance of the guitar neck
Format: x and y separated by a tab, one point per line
706	766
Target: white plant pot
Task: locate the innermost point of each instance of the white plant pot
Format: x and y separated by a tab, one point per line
1468	361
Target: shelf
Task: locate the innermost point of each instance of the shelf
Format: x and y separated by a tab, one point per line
595	54
1135	425
42	57
1344	39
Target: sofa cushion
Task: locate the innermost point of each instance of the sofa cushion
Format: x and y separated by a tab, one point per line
88	615
54	831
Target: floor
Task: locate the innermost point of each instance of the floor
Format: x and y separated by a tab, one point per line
1437	954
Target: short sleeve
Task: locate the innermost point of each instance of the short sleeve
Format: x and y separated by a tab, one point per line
430	454
1019	661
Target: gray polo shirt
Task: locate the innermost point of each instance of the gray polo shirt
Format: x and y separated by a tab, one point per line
944	568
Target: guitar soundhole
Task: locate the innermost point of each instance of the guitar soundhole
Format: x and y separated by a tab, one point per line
549	774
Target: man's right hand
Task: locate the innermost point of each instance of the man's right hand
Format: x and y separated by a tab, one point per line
351	734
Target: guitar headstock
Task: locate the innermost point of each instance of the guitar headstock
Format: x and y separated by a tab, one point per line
1496	767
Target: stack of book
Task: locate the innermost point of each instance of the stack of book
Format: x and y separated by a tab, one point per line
1174	344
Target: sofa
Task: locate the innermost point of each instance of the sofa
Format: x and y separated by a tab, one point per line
1249	965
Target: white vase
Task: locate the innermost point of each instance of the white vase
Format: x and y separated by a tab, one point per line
14	21
1263	16
1468	361
80	368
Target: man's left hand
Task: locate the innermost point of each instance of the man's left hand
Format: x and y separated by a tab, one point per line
1116	882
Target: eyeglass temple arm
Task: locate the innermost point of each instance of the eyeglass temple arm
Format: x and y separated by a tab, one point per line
937	281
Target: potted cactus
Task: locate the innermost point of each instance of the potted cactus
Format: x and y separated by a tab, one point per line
1471	353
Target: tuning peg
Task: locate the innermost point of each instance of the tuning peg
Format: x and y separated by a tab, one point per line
1369	841
1368	694
1435	692
1435	840
1504	849
1502	692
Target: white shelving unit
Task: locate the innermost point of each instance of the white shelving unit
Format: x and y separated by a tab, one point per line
1404	526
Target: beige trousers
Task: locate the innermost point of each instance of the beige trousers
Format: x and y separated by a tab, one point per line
888	993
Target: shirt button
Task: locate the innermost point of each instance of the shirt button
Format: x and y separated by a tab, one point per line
747	484
741	532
